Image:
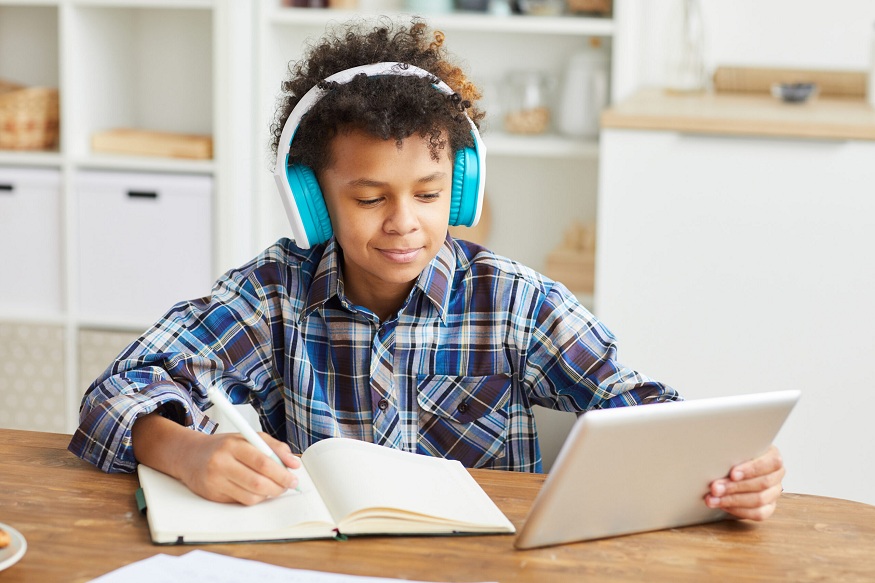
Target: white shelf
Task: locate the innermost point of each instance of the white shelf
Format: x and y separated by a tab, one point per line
149	4
540	146
484	23
144	163
26	3
28	317
30	158
114	325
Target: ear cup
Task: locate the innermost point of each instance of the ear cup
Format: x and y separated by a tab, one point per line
466	188
310	203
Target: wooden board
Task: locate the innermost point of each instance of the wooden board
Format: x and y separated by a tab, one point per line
760	80
149	143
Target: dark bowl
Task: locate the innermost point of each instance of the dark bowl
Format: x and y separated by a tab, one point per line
794	92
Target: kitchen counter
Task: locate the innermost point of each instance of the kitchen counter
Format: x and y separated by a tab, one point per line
744	114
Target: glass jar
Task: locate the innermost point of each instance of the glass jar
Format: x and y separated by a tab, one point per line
542	7
685	43
527	102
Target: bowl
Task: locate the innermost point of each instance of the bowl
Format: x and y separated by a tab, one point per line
794	92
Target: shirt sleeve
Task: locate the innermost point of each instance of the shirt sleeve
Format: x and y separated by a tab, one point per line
223	340
572	361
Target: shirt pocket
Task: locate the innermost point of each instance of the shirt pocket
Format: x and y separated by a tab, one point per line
463	418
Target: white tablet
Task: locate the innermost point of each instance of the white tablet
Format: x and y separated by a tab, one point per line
635	469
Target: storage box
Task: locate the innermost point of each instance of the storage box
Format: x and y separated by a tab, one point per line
147	143
30	241
28	117
145	243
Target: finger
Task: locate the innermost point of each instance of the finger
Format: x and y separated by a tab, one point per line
746	501
723	487
226	486
759	514
262	475
767	463
234	492
255	485
282	450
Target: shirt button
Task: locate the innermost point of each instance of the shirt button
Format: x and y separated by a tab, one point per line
463	406
383	404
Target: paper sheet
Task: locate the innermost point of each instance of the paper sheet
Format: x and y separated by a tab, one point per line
205	567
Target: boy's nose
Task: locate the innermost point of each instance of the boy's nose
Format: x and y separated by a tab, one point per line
402	218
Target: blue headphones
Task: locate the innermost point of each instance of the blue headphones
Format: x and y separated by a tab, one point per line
299	189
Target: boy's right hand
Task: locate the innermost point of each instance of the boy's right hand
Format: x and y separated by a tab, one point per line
221	467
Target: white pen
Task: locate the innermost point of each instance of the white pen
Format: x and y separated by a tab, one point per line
219	399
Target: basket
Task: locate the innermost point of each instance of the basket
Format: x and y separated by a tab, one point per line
28	117
598	7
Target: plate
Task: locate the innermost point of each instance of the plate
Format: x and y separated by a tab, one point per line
10	555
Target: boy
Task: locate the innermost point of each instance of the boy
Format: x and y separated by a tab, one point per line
375	324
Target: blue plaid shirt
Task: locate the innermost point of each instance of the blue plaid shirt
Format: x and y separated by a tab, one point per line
455	373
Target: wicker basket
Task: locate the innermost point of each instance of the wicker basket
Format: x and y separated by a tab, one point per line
599	7
28	117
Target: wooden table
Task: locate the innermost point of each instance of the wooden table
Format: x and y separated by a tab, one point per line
81	523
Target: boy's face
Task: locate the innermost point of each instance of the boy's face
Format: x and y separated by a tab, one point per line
389	210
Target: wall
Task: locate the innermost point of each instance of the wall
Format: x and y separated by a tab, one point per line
827	442
774	33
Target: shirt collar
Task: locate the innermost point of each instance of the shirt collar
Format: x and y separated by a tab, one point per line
435	280
326	279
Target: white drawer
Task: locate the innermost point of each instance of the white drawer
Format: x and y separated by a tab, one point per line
145	243
30	241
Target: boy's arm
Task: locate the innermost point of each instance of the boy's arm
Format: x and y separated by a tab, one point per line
221	467
588	374
571	361
225	340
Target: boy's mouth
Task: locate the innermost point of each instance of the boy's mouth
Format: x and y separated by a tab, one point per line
401	255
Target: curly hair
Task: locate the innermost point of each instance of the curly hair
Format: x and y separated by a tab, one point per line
388	107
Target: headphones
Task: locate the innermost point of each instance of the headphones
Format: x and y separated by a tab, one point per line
302	198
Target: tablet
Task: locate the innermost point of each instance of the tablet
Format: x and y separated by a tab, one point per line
636	469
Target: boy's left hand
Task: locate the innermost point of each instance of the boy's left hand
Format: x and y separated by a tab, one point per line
752	488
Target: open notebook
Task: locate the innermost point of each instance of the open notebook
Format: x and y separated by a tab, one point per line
635	469
346	487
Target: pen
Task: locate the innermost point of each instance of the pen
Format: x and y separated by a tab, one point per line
219	399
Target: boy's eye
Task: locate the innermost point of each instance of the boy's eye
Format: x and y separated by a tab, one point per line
430	196
368	201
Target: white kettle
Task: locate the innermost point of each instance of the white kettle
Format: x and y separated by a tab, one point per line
585	92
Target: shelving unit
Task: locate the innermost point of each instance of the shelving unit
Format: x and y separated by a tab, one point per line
148	64
215	67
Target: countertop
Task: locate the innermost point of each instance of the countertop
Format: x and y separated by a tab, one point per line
744	114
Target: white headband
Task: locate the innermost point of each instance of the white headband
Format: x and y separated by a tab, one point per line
342	77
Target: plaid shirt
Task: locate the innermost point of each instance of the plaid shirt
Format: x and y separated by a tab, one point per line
478	342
